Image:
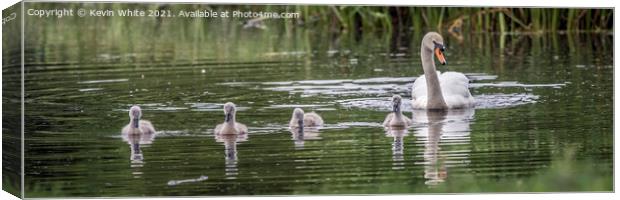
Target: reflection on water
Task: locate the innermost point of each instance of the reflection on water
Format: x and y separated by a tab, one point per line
398	147
230	152
299	136
529	108
402	85
191	180
441	128
136	143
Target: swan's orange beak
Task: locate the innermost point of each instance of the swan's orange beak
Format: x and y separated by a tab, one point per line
440	56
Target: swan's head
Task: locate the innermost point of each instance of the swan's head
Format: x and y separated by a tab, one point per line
135	113
229	111
396	101
298	114
434	42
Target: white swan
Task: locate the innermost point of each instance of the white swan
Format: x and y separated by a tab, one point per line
230	126
436	90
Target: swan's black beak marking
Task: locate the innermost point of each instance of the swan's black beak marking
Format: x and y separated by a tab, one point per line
439	46
439	49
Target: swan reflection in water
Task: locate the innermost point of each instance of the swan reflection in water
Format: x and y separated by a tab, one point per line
398	146
230	151
442	127
300	135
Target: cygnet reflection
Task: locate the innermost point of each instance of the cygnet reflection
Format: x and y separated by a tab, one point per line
230	152
398	146
300	135
137	133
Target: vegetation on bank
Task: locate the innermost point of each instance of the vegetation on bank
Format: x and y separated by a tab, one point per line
460	19
320	27
354	18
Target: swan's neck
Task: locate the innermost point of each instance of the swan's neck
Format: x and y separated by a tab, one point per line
398	114
433	89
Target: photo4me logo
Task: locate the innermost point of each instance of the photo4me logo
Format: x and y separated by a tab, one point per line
9	18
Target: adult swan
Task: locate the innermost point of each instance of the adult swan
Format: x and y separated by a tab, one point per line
435	90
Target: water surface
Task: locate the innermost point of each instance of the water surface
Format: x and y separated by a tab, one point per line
536	99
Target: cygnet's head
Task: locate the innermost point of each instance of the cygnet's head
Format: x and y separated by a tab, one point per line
229	111
433	41
396	103
298	113
135	113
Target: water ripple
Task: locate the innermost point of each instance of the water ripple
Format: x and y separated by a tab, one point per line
485	101
209	107
192	180
103	81
515	84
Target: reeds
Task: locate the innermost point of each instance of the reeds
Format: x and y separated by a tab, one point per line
382	19
498	20
332	26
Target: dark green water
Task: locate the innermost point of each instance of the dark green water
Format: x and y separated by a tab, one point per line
543	120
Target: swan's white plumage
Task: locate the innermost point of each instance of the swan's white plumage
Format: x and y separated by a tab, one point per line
454	89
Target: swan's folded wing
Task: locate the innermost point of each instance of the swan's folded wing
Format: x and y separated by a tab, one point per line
455	89
419	88
418	93
454	83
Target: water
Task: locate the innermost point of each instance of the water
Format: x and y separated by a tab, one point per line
536	99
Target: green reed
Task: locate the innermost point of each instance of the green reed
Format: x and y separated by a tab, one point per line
335	26
385	19
416	20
